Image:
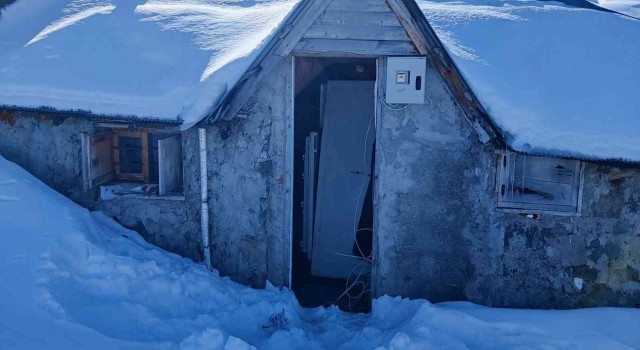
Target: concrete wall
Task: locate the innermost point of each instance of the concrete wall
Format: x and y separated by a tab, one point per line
440	236
249	173
50	148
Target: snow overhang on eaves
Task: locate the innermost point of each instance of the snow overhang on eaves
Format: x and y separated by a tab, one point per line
130	119
253	74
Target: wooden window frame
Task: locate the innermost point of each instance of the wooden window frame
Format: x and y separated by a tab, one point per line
94	159
503	174
144	139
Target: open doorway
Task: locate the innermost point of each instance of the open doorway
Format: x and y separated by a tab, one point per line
334	153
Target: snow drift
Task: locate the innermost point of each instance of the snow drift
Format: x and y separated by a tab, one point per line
75	279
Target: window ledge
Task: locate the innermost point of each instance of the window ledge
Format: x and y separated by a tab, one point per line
135	190
539	212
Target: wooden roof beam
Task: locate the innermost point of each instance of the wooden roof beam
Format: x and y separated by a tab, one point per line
281	46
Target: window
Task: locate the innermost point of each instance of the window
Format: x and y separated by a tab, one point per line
130	154
529	183
154	159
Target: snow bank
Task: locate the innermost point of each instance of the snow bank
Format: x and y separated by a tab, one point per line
558	80
155	59
74	279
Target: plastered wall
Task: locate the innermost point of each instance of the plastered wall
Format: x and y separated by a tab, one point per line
440	236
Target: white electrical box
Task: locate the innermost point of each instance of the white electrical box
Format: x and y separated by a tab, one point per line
406	80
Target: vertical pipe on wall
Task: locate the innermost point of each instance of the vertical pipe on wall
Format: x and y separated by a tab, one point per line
204	198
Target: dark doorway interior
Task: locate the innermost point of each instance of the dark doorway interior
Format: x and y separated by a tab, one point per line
331	95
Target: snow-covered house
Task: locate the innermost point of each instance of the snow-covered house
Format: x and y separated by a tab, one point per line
485	150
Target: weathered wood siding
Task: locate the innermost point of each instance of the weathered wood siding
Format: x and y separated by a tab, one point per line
538	183
170	164
363	27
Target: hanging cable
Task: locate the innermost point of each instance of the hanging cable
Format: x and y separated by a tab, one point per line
365	259
399	107
364	183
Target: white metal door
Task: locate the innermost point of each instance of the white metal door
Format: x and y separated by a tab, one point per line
344	174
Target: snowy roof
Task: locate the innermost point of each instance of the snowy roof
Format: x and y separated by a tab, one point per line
153	59
557	80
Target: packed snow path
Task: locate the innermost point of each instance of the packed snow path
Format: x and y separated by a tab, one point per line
74	279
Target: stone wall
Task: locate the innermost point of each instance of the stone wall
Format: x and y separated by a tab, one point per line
565	262
170	223
440	236
249	188
50	147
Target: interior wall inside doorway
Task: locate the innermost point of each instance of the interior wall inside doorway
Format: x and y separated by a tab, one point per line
311	74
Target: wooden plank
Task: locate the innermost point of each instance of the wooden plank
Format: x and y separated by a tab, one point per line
310	166
546	169
356	32
383	19
354	48
300	26
86	162
539	192
551	190
282	47
100	162
289	167
580	186
538	208
145	156
116	156
409	24
359	5
170	164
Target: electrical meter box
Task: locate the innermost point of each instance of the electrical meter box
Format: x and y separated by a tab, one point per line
406	80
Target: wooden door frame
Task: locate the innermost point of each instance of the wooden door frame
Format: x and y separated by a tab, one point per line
290	86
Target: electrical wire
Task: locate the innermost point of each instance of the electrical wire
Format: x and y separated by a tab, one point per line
348	287
365	259
364	183
399	107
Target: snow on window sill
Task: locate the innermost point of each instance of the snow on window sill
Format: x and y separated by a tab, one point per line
135	190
